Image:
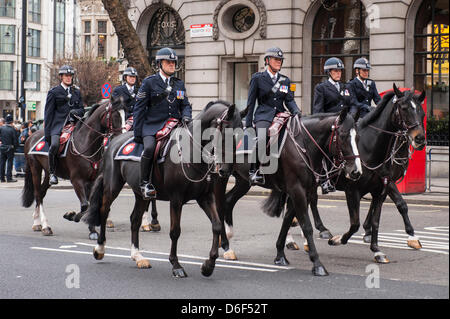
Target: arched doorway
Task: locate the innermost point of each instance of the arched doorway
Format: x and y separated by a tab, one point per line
431	60
166	30
339	29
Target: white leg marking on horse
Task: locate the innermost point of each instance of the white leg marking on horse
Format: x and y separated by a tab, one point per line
43	217
289	238
229	231
413	238
36	216
100	249
355	150
135	254
145	219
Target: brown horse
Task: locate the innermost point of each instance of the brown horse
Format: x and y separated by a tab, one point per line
80	165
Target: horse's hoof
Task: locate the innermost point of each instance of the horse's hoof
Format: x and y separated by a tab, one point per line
77	217
325	234
146	228
143	264
98	256
93	235
69	216
282	261
36	228
381	259
319	271
229	255
207	268
335	241
179	273
109	224
292	246
155	227
47	231
414	243
367	239
306	248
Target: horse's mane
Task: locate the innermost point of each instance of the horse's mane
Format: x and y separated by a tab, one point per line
92	109
369	118
211	103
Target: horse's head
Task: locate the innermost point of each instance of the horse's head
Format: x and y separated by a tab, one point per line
343	144
222	118
409	115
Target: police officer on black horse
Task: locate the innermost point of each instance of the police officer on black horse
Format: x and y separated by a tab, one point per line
329	98
362	89
272	90
128	90
161	96
63	105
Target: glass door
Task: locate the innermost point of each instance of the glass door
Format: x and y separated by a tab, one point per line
243	72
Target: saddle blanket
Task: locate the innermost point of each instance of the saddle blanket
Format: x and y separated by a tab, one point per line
41	147
132	151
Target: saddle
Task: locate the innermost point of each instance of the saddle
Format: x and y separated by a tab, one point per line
129	123
162	137
65	135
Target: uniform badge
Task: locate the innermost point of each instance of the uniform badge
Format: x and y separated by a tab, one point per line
284	88
180	95
346	92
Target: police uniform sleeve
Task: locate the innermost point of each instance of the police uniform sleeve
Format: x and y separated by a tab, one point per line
318	100
142	101
354	104
79	105
290	101
251	100
376	96
186	108
49	112
116	92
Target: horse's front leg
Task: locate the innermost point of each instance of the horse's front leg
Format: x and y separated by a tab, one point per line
379	257
281	259
140	206
175	231
324	232
207	203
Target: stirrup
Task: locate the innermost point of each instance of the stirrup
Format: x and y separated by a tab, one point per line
256	178
53	179
327	187
148	190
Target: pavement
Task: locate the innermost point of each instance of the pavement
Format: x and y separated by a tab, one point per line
436	194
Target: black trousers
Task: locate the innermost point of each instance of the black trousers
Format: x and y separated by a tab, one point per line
6	161
260	126
53	153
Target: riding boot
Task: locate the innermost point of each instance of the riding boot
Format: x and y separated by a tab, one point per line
52	169
147	189
254	173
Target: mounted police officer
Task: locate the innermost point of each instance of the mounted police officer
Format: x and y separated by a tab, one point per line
362	90
272	90
161	96
63	105
128	90
8	143
329	98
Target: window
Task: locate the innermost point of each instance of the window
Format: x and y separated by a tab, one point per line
7	39
243	72
101	26
431	61
6	75
34	43
87	26
34	11
34	74
339	30
60	17
7	8
101	48
87	43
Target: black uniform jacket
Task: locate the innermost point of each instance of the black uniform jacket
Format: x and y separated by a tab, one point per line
327	99
269	103
362	97
151	111
129	99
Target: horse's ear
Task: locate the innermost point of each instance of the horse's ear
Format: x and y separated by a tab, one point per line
230	114
397	92
343	114
422	96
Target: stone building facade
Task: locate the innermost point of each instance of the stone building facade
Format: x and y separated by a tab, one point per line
396	35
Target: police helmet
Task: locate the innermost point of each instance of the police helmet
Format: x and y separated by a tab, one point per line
332	64
9	119
166	54
130	71
362	63
274	52
66	69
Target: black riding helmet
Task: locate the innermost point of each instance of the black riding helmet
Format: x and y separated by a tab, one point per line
66	69
274	52
130	71
166	54
333	64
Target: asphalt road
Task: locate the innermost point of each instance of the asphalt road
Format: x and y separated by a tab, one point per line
62	266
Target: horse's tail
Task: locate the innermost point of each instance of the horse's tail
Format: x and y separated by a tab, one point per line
92	216
28	188
274	204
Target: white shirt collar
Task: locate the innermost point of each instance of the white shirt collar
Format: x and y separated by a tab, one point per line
163	77
129	88
272	75
65	87
362	81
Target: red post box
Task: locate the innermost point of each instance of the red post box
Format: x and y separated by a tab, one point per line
414	181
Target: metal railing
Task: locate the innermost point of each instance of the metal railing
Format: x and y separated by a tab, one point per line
430	161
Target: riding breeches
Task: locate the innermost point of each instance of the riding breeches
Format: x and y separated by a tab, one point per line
149	146
52	153
260	127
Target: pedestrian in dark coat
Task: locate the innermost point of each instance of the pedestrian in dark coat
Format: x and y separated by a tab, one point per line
8	143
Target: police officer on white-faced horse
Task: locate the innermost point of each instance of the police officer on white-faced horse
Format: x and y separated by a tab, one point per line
128	90
161	96
362	89
63	105
272	90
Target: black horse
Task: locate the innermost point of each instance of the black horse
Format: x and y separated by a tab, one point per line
309	140
178	181
386	135
79	166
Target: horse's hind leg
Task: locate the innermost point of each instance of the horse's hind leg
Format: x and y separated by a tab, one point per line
40	220
324	232
140	206
207	203
153	224
281	259
175	231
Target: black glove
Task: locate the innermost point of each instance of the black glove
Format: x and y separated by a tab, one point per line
138	139
186	120
297	113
